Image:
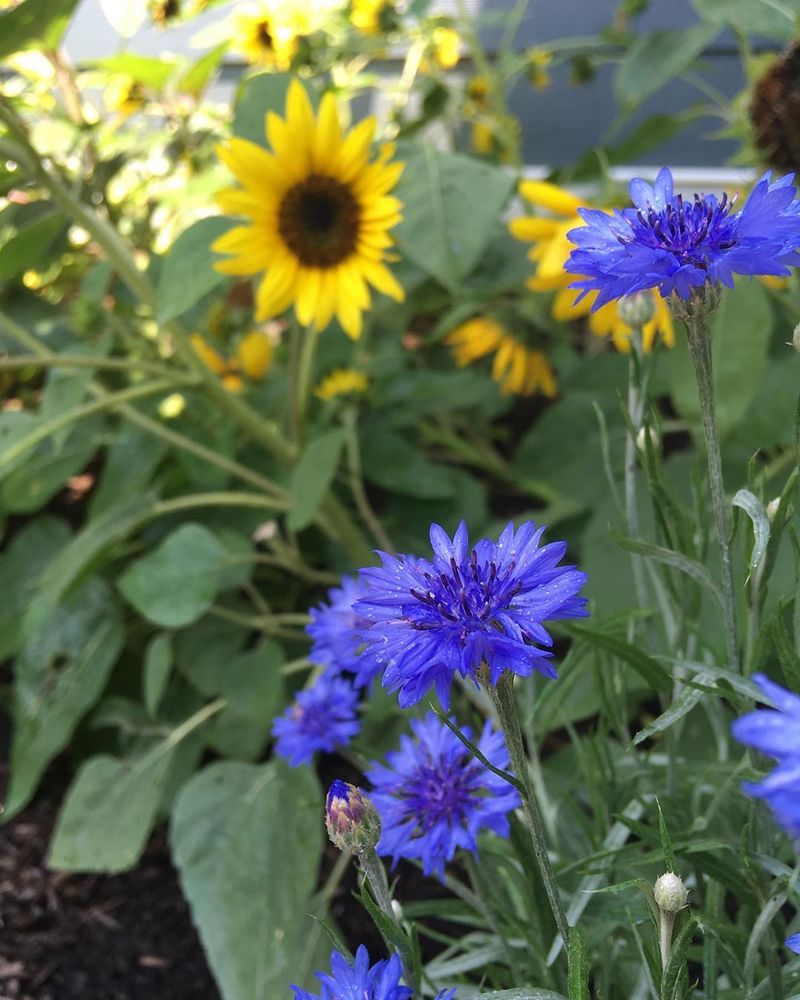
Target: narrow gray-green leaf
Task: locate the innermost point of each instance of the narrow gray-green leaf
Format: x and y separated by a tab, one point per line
676	560
157	666
682	705
754	509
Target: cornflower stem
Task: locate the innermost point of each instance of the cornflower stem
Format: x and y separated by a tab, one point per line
635	414
372	867
666	922
502	695
700	351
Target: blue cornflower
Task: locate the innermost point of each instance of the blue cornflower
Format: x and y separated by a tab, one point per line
793	943
322	718
471	604
358	981
676	245
433	796
776	732
334	630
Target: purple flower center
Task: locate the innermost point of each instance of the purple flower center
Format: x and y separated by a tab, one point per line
442	791
469	596
692	231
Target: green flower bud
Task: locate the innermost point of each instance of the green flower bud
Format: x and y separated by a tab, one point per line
352	820
636	310
670	893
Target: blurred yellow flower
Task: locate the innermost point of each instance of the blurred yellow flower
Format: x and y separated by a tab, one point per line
516	368
496	137
446	47
263	36
549	253
319	214
372	17
122	95
341	382
537	69
253	357
172	406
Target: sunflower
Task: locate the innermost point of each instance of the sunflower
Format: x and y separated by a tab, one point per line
318	215
262	37
253	357
516	368
341	382
550	252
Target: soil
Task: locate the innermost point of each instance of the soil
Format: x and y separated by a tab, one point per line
91	937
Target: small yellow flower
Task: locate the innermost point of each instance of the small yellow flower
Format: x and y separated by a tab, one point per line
549	253
318	215
123	95
517	368
497	137
446	47
341	382
172	406
538	67
372	17
262	37
253	357
477	90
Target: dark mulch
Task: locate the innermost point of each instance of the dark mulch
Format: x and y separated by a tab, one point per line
92	937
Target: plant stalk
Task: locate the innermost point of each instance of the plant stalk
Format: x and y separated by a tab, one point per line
700	352
502	695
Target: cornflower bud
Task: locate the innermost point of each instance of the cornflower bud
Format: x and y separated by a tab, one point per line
670	893
352	820
636	310
772	508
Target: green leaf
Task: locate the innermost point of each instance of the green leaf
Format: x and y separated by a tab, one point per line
175	584
252	683
259	94
654	59
523	994
21	565
437	233
60	673
108	812
313	476
34	23
27	247
740	335
195	80
188	270
675	560
249	878
770	18
131	460
681	706
157	667
677	959
146	70
391	461
754	509
578	975
666	840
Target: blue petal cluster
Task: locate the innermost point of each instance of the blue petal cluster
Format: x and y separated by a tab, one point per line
776	732
335	629
358	981
676	245
433	796
431	619
322	718
793	943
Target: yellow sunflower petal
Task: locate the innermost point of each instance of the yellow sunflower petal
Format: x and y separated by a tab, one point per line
327	135
550	196
565	308
529	227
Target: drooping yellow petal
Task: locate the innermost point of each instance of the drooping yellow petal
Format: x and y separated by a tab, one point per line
565	308
550	196
254	354
529	227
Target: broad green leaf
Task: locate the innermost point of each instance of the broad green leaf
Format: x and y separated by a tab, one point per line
27	247
312	477
754	509
157	667
740	335
60	673
437	233
34	23
249	878
204	650
21	565
771	18
108	813
391	461
259	94
237	737
175	584
188	271
131	460
252	683
654	59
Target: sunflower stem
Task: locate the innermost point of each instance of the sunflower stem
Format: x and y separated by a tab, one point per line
700	351
305	370
502	695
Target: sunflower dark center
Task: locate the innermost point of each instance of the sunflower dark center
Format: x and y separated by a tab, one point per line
319	221
264	35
